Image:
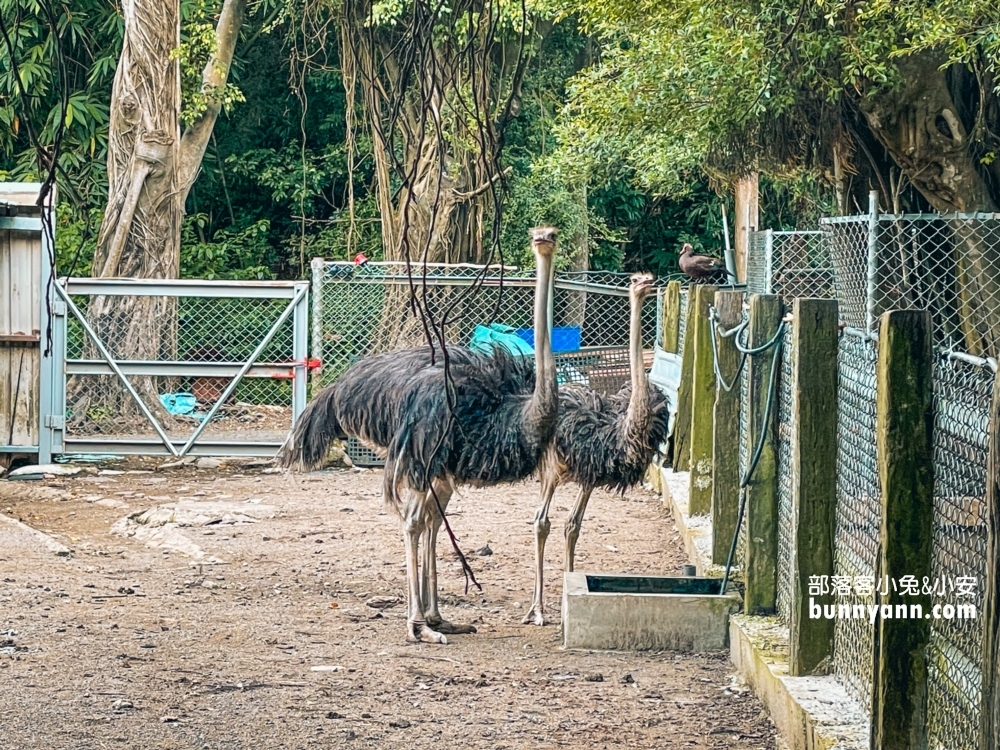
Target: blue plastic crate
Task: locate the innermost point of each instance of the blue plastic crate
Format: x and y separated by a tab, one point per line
564	338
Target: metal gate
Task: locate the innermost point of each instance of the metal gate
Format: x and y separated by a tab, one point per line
177	367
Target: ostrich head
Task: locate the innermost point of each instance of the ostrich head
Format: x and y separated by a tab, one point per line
640	285
543	240
687	248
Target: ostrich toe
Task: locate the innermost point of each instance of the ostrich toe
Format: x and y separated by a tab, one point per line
535	616
451	628
419	632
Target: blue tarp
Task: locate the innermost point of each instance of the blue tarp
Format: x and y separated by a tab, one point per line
484	338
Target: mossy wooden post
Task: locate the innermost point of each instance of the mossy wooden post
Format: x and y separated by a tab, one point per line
761	592
682	420
905	425
672	317
702	405
989	725
814	474
726	432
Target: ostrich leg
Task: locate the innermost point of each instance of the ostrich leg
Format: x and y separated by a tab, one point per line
414	523
536	613
428	577
574	523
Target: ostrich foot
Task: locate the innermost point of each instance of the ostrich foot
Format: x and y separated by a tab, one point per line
418	631
450	628
535	616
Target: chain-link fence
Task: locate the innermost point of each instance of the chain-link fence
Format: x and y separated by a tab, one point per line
150	365
790	264
786	430
360	311
858	510
962	393
847	238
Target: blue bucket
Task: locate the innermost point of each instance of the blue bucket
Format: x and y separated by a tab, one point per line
564	338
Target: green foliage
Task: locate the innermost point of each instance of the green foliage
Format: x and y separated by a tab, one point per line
232	253
198	44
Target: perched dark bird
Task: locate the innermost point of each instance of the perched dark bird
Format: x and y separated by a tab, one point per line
600	441
703	268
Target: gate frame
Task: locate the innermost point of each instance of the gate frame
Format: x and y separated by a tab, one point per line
54	408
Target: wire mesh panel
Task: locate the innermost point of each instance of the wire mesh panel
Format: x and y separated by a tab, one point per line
858	511
758	265
962	394
786	520
746	446
846	238
801	265
682	329
178	353
948	264
367	310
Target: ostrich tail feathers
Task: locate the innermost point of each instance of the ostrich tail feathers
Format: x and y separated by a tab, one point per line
317	426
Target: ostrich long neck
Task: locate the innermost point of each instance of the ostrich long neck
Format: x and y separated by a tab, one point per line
638	405
544	401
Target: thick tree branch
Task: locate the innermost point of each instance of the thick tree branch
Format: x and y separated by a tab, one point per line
194	142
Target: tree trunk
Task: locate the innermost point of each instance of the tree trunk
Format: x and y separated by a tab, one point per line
918	123
151	169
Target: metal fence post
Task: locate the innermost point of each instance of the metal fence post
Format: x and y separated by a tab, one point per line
702	405
726	431
871	265
905	425
318	266
762	491
300	352
813	475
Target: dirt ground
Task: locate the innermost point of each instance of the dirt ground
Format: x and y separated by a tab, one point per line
254	632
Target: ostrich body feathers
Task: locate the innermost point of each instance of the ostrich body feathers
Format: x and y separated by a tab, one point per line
594	444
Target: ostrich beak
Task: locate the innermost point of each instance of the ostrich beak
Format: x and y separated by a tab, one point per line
641	282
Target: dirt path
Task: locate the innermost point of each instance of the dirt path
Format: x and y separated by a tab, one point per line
273	646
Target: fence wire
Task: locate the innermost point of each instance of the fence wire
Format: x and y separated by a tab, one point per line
847	241
962	394
786	521
948	264
682	328
746	448
205	330
858	510
366	310
758	271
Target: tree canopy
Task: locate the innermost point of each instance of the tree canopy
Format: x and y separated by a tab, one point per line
627	126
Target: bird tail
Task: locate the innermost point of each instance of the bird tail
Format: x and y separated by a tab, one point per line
317	426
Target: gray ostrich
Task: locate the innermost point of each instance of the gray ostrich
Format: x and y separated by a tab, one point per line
601	441
479	419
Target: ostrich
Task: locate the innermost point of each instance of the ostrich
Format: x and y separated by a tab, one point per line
600	441
483	420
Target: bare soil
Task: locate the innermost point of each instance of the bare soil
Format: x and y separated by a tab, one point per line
272	645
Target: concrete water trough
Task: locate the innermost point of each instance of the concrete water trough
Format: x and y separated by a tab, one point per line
638	612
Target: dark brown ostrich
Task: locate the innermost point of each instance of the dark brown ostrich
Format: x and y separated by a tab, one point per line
600	442
482	419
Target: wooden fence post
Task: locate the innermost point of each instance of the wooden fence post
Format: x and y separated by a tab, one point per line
702	406
905	424
813	475
760	596
989	723
682	419
672	317
726	432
